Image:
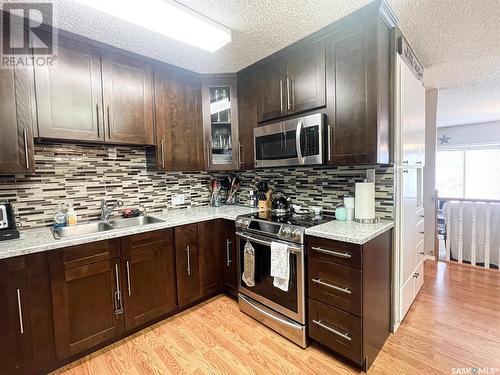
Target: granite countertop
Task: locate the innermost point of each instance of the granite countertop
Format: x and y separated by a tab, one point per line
42	239
349	231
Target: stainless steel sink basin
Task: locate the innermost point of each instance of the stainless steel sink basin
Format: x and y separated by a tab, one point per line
133	222
102	226
81	230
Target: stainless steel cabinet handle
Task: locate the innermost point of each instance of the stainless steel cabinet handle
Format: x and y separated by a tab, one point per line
288	93
321	282
228	253
334	331
422	232
329	143
20	311
281	95
416	275
162	151
118	293
188	251
26	154
419	162
97	118
129	288
109	121
331	252
421	253
405	161
240	147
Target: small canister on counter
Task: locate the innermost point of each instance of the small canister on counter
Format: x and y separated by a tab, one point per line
341	213
349	206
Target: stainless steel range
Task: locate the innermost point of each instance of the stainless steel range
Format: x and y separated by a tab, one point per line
283	311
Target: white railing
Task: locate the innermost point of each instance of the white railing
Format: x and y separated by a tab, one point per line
473	232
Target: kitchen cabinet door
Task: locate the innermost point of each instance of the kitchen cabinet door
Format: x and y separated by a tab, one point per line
26	335
69	94
358	80
187	268
148	274
179	129
271	92
210	256
17	118
247	112
128	100
230	257
86	297
305	78
220	123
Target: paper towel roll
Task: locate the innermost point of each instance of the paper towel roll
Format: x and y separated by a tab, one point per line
364	204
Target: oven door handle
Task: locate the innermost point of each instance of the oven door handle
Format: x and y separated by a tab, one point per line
292	249
298	134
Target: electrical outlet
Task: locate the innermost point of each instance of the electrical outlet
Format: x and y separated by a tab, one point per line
370	175
177	199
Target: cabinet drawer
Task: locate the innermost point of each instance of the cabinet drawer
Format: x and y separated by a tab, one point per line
420	214
335	285
337	329
420	231
139	243
342	253
419	278
89	253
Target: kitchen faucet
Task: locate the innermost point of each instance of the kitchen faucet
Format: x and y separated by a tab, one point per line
106	211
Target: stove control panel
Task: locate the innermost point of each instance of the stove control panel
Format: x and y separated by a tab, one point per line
242	223
290	233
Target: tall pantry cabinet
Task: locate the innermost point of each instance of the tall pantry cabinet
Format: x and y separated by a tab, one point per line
410	160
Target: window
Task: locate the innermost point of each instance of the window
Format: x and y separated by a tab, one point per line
468	173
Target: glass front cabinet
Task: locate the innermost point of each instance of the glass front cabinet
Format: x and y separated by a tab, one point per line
220	124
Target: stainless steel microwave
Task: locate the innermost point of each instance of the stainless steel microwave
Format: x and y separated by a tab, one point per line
299	141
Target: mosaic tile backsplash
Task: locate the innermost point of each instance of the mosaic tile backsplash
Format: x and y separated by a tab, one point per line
83	174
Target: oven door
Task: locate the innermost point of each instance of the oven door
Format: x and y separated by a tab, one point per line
293	142
290	303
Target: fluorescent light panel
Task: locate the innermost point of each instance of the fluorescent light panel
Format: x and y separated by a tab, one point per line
168	18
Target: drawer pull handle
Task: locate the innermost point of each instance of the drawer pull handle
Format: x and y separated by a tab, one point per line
20	311
321	282
331	252
334	331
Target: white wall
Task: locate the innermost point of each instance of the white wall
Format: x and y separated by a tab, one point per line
431	102
485	133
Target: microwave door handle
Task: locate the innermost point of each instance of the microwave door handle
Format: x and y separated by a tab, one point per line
298	134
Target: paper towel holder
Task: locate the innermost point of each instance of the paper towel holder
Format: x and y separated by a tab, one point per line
367	221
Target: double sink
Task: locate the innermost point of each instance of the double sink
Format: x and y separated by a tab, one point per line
103	226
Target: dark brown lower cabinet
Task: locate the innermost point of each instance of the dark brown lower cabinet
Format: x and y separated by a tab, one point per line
87	296
210	256
349	294
230	266
148	274
187	266
26	335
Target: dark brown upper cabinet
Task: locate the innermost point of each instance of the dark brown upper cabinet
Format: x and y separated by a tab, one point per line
220	123
17	118
293	83
148	274
358	78
69	94
247	112
179	128
128	99
26	338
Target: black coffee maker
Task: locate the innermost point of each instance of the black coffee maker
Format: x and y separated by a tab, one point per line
8	229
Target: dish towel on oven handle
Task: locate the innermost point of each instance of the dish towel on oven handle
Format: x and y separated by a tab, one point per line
280	265
249	265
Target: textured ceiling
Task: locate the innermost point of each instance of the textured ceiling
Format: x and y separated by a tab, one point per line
456	40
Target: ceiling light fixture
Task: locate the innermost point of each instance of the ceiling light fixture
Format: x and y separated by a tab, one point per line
168	18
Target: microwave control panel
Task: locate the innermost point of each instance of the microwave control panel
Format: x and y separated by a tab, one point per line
312	141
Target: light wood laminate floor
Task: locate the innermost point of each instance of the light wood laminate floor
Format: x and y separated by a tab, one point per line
454	323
